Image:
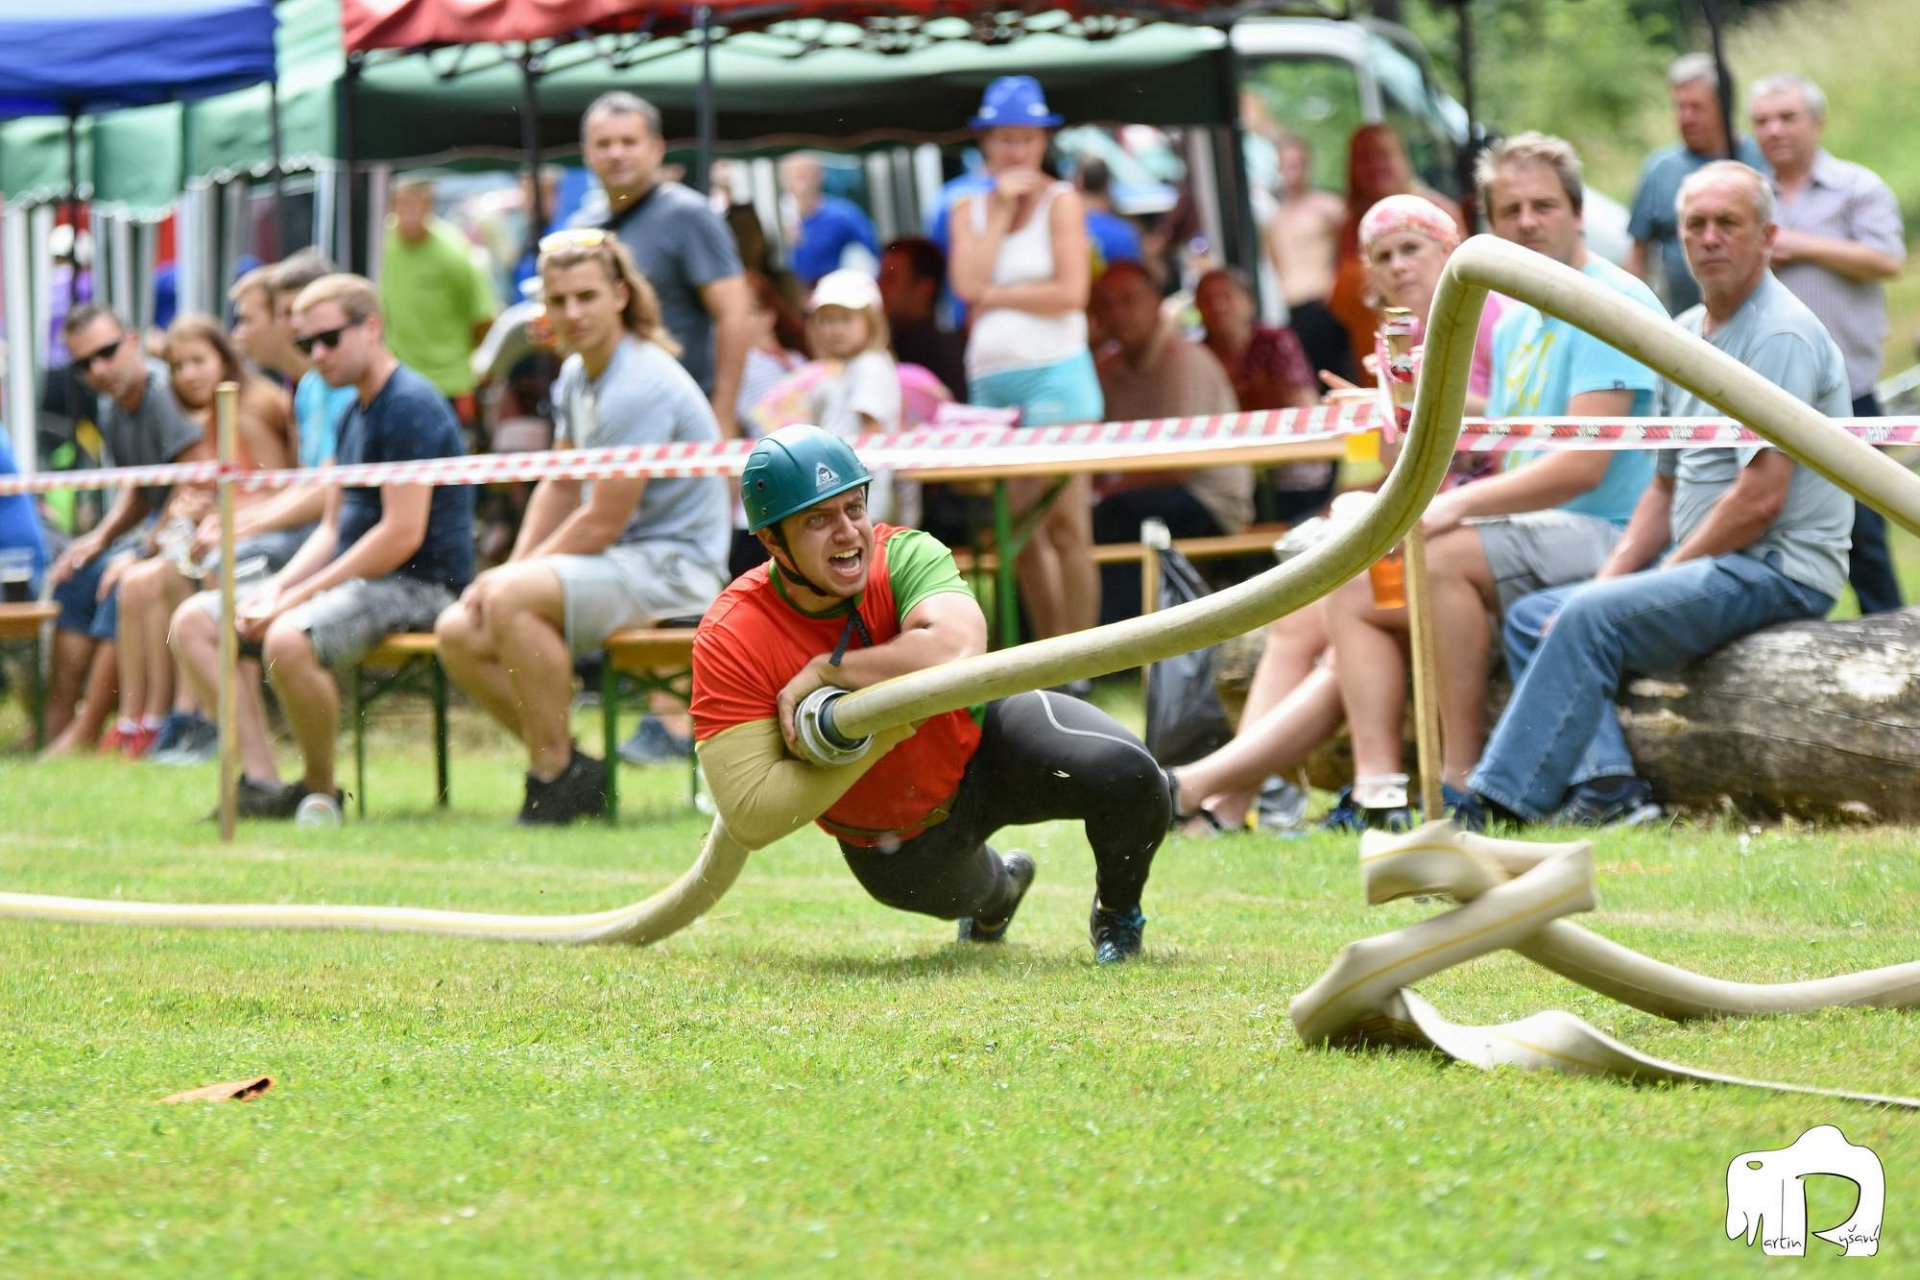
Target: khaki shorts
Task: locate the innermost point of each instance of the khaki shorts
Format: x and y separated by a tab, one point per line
633	585
1535	550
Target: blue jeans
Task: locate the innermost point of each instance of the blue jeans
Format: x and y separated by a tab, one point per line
1560	728
1870	562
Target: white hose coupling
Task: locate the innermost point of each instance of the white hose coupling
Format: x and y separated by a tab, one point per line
813	728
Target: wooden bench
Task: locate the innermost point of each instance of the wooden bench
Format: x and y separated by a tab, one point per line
1255	539
26	623
638	659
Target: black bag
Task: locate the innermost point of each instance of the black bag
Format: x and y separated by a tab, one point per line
1185	719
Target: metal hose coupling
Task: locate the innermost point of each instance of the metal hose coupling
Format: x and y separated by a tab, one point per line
813	727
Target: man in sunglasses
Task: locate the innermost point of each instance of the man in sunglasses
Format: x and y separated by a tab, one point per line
270	531
383	559
142	425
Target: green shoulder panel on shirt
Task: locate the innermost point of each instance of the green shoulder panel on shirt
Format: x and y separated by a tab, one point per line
919	565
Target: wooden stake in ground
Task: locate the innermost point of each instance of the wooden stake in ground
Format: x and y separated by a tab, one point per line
225	399
1396	374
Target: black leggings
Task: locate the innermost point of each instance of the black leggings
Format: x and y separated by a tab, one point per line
1042	755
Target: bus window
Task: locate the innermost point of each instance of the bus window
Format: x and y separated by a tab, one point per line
1317	98
1408	106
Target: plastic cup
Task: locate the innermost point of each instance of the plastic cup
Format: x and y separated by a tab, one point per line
1389	577
16	575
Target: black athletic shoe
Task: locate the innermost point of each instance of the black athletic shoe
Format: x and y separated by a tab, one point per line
1350	816
1609	802
275	801
1116	934
1020	871
579	792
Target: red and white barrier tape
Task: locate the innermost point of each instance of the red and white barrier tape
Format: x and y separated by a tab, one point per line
976	446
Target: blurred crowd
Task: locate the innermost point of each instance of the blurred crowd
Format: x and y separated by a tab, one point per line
651	312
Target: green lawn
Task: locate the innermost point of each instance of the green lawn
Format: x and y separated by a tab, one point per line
808	1084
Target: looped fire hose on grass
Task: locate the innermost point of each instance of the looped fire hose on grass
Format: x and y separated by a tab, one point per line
1480	264
1513	895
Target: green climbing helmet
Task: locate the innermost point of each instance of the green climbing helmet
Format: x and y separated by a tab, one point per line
794	468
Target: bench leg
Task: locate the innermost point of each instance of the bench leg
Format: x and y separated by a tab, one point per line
1004	581
442	784
610	735
37	690
359	746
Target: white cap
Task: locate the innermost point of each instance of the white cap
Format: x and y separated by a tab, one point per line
854	290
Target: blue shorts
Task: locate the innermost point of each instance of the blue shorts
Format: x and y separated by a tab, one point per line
80	608
1049	395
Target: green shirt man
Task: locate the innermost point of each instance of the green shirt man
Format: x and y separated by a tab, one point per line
436	300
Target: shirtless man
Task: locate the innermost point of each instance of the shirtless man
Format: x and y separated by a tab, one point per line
1302	238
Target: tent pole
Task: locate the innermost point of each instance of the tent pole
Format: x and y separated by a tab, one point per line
1469	150
530	140
73	203
1242	247
703	163
350	257
280	246
1712	11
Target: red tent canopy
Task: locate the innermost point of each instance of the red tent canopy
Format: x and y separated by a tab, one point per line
409	24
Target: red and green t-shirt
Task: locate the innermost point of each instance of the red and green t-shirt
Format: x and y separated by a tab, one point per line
755	639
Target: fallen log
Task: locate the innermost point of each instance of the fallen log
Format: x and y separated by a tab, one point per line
1816	720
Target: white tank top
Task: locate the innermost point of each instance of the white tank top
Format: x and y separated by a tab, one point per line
1003	338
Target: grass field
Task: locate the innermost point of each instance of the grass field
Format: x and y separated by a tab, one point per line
808	1084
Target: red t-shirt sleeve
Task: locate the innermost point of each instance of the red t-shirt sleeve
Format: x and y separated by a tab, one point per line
729	687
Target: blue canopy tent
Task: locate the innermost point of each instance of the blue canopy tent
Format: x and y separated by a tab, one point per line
76	57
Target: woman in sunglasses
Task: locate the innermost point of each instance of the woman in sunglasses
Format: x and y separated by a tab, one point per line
592	556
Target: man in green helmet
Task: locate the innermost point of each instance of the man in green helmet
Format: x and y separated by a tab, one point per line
849	603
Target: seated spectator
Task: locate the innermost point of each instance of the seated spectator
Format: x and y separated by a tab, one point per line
1114	238
141	425
779	345
826	233
1377	167
200	357
1724	542
1544	522
1268	370
595	556
1293	702
1150	371
913	272
381	560
437	298
268	531
860	393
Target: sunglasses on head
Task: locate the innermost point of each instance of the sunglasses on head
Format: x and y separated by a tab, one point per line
328	338
103	353
581	238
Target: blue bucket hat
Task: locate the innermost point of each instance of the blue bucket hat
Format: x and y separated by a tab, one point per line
1015	101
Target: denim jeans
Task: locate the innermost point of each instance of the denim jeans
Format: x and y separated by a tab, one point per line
1570	648
1870	562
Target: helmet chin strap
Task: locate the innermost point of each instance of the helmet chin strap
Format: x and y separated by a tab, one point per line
791	567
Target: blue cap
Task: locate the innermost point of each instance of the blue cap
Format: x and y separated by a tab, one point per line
1015	102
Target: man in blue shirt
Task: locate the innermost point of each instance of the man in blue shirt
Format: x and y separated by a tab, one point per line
382	560
1694	82
1114	238
1724	542
1546	522
823	229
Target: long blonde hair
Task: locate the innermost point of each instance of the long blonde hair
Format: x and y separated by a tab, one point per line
641	316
